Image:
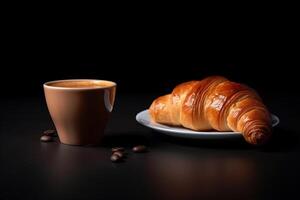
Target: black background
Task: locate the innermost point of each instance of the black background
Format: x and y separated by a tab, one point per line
148	48
145	66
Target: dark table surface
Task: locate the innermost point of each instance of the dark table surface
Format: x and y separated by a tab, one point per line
172	169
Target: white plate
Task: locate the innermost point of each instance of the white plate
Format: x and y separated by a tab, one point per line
144	119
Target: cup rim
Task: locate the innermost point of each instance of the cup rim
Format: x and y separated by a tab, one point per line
46	84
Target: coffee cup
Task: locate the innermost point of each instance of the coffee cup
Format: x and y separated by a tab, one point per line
80	109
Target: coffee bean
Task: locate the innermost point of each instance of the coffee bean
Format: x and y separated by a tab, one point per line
46	138
119	153
121	149
139	149
50	132
115	158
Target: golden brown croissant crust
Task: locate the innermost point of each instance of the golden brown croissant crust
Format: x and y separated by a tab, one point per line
215	103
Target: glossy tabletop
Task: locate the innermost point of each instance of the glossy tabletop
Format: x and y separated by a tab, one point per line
173	168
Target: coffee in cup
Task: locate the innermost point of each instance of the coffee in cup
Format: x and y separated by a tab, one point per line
80	109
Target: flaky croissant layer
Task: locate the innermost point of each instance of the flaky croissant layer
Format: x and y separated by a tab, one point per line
215	103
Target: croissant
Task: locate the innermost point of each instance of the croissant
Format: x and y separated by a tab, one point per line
215	103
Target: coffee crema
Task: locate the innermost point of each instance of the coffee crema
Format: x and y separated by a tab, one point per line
82	84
